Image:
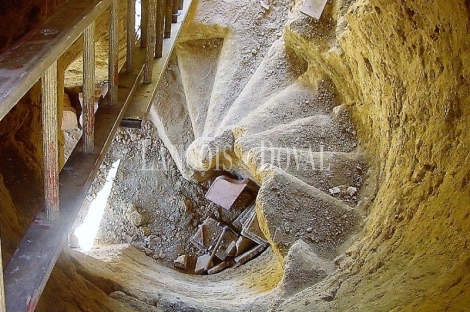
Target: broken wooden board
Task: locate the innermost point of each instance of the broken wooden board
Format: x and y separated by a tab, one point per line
313	8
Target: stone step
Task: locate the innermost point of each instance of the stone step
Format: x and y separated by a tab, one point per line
323	170
169	115
229	81
279	68
303	268
298	100
197	60
316	132
289	209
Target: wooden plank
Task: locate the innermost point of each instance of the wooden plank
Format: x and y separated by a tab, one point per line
145	93
24	64
29	269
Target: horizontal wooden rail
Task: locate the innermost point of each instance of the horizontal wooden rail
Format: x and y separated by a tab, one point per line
25	63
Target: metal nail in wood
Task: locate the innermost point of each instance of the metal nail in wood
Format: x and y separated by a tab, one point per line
50	144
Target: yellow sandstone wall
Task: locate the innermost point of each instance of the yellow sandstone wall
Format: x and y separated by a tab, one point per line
404	68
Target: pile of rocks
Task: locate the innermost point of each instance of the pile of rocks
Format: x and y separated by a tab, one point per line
230	241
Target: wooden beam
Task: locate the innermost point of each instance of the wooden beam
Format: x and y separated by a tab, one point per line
159	28
168	18
24	63
50	141
89	89
151	37
144	11
174	13
113	58
130	35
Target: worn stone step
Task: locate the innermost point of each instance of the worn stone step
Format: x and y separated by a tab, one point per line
279	68
169	115
323	170
298	100
197	60
320	132
229	80
289	209
303	268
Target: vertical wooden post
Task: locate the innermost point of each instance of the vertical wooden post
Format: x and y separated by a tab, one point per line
113	67
174	13
89	89
168	18
144	20
180	4
159	28
148	67
2	285
50	144
130	35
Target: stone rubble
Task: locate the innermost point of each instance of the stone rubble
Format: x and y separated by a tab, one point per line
226	244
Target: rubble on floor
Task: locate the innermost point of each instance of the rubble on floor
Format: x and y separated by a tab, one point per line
234	239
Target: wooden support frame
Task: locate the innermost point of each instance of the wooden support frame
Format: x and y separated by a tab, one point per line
50	144
89	89
29	269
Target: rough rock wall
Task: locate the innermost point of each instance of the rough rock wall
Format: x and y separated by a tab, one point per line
404	68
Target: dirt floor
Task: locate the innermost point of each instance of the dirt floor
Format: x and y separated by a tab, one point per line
151	206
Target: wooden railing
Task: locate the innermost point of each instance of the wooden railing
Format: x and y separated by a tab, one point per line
35	58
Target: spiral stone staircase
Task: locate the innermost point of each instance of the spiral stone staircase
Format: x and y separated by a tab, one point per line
292	138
